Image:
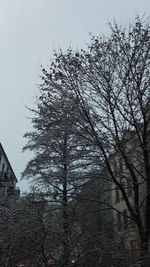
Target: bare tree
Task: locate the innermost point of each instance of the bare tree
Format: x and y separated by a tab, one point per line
116	77
63	161
109	86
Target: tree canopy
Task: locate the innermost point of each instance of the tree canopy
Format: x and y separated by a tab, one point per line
93	112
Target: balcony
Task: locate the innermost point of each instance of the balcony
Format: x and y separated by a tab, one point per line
13	191
5	179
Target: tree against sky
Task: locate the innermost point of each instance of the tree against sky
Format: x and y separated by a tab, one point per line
117	77
63	161
100	98
114	99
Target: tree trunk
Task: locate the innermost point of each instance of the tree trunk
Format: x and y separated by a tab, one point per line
66	252
144	255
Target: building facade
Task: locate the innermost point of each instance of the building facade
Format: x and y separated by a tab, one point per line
124	227
128	167
8	179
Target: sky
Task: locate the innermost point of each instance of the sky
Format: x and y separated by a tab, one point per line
30	30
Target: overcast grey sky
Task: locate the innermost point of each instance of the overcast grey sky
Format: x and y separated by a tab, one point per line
29	32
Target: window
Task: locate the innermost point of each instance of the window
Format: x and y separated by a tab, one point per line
129	187
125	219
121	174
120	166
119	226
117	194
132	224
121	179
2	173
135	247
115	169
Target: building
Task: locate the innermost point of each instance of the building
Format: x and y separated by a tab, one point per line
8	179
128	167
125	228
